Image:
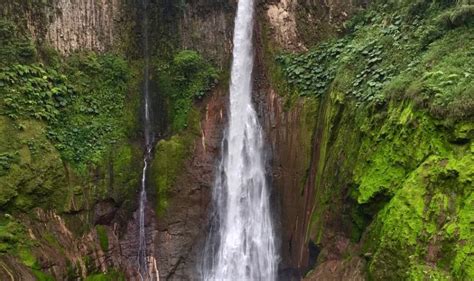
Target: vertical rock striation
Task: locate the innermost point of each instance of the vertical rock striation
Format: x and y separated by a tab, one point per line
68	26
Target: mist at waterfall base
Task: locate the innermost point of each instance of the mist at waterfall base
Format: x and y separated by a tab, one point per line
241	243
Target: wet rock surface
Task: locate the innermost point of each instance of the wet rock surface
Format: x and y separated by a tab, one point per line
294	133
70	26
181	231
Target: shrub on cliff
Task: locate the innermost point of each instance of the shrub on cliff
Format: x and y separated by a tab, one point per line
182	80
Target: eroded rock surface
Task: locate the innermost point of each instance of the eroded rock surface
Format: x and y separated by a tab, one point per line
182	229
70	26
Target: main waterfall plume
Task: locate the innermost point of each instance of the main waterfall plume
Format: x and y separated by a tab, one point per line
241	244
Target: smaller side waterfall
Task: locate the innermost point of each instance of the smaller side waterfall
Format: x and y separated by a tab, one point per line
142	248
144	258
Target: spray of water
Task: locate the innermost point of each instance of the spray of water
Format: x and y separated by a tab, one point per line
241	244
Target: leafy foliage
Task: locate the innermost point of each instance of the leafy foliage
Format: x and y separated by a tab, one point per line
313	72
406	150
82	101
386	54
14	47
33	91
67	111
6	160
94	119
192	74
186	78
103	238
11	232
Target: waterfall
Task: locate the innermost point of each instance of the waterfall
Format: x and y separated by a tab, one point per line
241	243
143	258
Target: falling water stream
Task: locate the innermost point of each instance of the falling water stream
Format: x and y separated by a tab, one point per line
149	140
241	245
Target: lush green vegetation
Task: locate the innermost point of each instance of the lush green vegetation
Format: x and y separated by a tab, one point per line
312	72
182	80
63	118
170	155
103	238
15	47
397	126
185	78
95	119
14	240
108	276
81	101
65	126
11	234
409	48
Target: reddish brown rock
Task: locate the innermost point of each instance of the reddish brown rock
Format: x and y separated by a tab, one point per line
181	231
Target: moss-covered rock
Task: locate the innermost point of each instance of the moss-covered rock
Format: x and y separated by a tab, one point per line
68	139
394	139
103	237
108	276
169	158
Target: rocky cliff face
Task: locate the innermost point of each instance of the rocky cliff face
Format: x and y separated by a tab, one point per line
182	228
97	231
328	221
298	24
361	189
205	26
294	128
70	26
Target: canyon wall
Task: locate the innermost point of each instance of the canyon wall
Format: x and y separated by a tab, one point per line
330	149
206	26
361	189
293	125
71	26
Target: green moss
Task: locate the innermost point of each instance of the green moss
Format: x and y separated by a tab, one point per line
169	159
11	234
36	178
307	123
95	119
65	131
41	276
108	276
411	209
397	142
400	145
103	237
394	137
121	170
418	215
27	258
426	272
68	115
53	241
188	77
14	46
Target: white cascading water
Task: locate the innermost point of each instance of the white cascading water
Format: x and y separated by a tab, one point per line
143	261
241	245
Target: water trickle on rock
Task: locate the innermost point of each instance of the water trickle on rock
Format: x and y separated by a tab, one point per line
143	258
241	244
